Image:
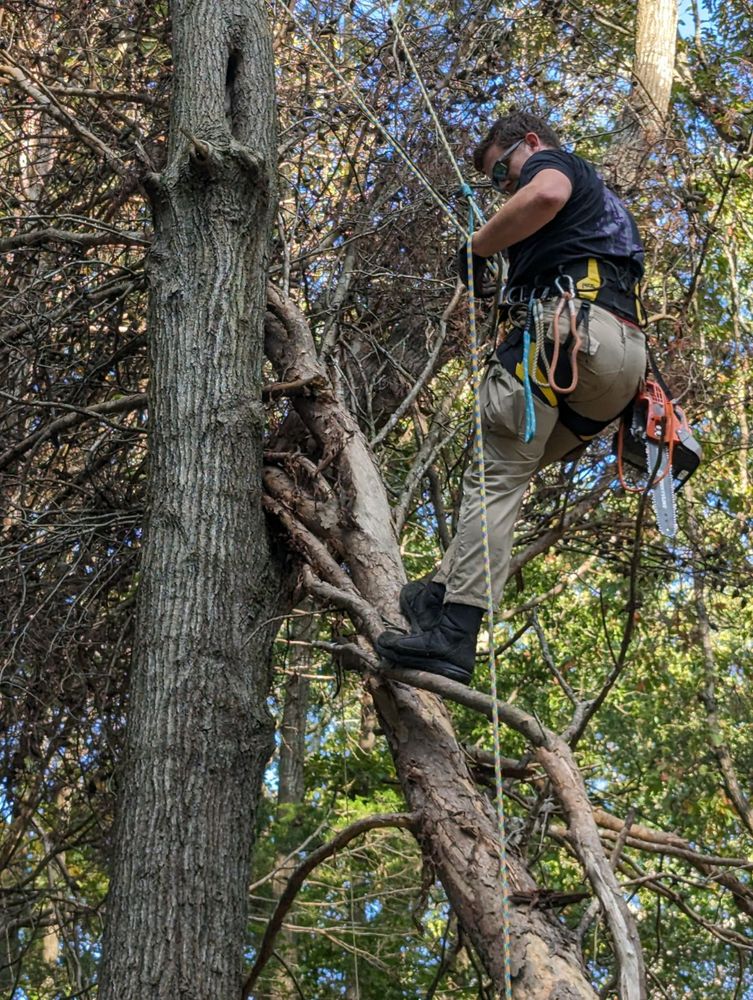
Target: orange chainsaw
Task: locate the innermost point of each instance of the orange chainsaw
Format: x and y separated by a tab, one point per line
654	436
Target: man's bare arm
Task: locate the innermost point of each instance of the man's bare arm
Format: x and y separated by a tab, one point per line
527	211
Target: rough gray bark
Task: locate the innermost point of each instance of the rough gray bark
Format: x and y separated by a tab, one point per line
199	733
457	831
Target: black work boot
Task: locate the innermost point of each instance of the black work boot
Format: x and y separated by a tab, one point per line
421	602
448	649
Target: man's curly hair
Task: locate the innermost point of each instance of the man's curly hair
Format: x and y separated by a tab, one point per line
514	125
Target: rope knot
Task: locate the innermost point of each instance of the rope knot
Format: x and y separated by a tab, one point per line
466	190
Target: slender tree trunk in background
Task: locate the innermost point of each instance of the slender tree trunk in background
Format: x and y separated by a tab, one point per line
654	66
291	774
9	953
293	736
199	733
644	121
740	328
295	712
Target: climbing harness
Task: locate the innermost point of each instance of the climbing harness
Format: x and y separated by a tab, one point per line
654	437
541	368
654	434
592	281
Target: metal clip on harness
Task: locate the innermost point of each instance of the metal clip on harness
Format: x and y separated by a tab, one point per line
567	297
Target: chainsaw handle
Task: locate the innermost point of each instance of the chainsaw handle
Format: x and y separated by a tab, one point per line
658	410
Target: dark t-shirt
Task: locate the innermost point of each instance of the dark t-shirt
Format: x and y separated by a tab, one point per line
593	222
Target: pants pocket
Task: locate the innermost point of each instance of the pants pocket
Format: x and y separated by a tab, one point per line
502	402
602	368
608	382
589	343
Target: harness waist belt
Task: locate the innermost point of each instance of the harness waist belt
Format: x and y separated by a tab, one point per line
598	281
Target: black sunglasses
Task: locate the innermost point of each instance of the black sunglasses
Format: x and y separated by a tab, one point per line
501	169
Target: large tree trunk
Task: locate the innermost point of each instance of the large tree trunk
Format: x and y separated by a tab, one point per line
199	733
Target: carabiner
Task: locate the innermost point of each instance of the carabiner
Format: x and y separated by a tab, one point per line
568	293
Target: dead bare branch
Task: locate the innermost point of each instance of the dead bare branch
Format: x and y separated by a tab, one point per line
401	821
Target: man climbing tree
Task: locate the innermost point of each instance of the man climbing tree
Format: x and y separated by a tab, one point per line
364	389
575	258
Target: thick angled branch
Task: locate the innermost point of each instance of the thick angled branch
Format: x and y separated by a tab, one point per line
63	116
354	604
556	758
40	237
553	753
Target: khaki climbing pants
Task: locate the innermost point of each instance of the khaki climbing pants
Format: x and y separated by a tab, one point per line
611	364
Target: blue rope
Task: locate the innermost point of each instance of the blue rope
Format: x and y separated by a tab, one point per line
466	191
530	428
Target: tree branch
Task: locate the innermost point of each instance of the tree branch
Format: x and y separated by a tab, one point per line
84	240
428	370
555	756
436	438
586	710
402	821
98	412
62	116
576	513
